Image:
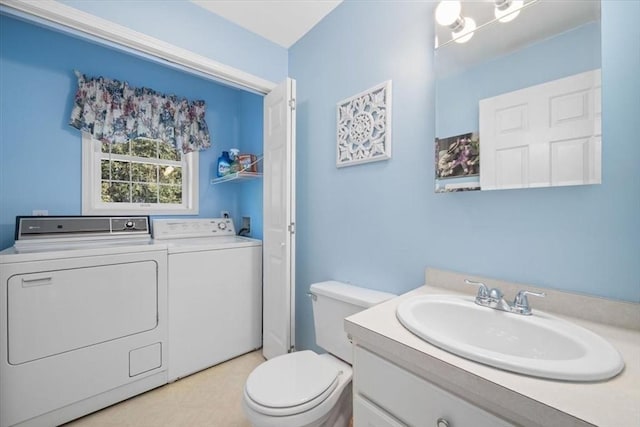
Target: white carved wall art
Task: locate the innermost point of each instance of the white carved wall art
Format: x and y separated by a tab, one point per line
364	127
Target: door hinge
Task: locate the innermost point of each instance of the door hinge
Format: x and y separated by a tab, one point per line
292	228
292	103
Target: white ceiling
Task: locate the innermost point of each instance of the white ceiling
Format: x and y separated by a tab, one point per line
283	22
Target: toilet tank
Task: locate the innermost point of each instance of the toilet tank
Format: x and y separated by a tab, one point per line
332	302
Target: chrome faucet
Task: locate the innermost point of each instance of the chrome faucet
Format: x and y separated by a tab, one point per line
494	298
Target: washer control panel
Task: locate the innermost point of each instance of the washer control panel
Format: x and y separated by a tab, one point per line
192	227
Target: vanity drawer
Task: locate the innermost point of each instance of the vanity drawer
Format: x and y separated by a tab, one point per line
367	414
410	399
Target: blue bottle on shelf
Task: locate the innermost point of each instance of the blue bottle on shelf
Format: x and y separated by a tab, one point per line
224	164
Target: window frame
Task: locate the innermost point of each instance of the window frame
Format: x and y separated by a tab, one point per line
92	203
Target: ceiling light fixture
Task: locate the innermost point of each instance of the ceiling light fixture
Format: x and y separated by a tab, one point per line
448	15
464	34
507	10
448	12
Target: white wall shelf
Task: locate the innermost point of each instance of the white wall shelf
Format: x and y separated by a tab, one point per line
237	176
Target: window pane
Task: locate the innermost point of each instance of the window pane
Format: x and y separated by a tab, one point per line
120	171
119	148
167	152
143	147
104	165
105	146
145	193
116	192
104	193
171	175
171	194
142	172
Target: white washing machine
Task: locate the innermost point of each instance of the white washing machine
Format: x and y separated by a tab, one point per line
215	292
83	317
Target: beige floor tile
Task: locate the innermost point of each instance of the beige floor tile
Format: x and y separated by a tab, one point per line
210	398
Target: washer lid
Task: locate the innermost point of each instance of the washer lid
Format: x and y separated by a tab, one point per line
291	380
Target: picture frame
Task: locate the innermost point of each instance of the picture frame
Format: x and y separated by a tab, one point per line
363	122
457	156
457	163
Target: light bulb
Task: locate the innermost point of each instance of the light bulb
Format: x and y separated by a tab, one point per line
510	12
448	11
465	34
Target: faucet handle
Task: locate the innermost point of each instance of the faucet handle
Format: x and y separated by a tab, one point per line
521	302
496	294
483	290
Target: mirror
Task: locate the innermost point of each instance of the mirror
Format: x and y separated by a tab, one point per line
518	103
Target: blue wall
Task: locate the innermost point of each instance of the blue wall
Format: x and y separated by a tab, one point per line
380	224
566	54
186	25
40	154
250	192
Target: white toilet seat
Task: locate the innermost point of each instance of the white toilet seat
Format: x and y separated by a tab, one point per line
334	406
291	384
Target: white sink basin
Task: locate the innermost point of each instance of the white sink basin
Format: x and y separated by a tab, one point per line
540	345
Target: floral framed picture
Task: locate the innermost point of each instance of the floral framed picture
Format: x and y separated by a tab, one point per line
457	163
364	127
458	156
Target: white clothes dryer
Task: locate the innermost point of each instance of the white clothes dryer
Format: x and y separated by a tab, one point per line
215	292
83	318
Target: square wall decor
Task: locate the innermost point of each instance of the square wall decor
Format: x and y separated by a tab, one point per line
364	127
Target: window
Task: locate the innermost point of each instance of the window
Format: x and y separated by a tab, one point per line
143	176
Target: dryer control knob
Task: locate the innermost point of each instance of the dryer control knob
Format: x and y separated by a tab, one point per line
129	224
222	225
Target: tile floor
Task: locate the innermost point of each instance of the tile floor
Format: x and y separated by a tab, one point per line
210	398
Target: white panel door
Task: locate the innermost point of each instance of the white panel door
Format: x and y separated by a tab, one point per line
279	221
543	135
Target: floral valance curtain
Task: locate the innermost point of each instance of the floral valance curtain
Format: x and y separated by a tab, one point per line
112	111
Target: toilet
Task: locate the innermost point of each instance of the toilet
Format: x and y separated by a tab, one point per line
306	389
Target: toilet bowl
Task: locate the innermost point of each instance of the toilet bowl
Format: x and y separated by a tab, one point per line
306	389
301	389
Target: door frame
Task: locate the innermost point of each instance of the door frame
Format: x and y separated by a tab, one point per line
60	17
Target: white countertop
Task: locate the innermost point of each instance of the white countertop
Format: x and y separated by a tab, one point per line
519	398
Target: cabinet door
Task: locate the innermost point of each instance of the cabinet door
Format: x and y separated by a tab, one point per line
410	399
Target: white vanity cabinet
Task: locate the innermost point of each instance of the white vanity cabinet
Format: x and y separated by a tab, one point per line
386	395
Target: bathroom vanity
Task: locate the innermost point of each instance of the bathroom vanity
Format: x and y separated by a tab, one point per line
400	379
386	393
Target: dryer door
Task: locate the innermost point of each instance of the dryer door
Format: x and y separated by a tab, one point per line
55	311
